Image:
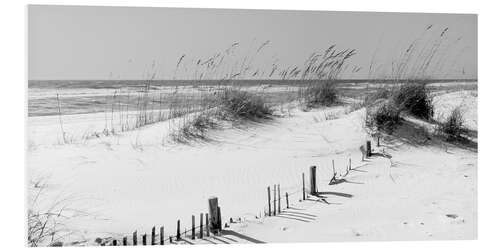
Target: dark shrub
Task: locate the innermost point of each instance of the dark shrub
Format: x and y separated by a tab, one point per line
385	117
415	99
320	94
453	127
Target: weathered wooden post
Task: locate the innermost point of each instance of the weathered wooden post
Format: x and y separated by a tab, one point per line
134	238
124	241
153	236
219	220
312	172
274	200
144	242
207	224
170	239
378	140
303	187
193	236
368	148
201	225
162	235
213	204
178	230
269	199
115	242
333	167
279	199
286	194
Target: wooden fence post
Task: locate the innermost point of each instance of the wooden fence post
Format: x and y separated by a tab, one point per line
124	242
303	187
286	194
207	224
313	180
219	220
368	148
134	238
378	140
115	243
162	235
213	204
170	239
153	236
201	225
269	199
274	200
193	236
279	199
144	242
178	230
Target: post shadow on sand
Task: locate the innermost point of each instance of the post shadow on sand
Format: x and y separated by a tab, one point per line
241	236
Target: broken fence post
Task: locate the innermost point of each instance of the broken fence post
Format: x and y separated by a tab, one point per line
134	238
124	241
144	242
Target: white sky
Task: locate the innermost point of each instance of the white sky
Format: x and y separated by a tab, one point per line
121	42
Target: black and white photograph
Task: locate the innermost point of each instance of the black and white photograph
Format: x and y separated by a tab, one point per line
190	126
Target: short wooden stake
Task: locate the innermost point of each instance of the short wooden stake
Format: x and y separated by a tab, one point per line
207	225
312	172
162	235
274	200
201	225
170	239
279	199
178	230
219	220
286	194
134	238
368	148
115	243
303	187
144	242
153	236
269	200
193	236
378	140
124	242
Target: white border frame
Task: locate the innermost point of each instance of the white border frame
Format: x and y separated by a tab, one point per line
13	99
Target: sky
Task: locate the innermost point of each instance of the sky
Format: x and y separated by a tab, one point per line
108	43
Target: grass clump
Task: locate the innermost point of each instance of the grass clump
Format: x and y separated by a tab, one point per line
415	99
453	127
239	104
195	129
384	117
322	93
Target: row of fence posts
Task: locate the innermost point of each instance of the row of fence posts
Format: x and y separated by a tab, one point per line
213	224
313	187
213	219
